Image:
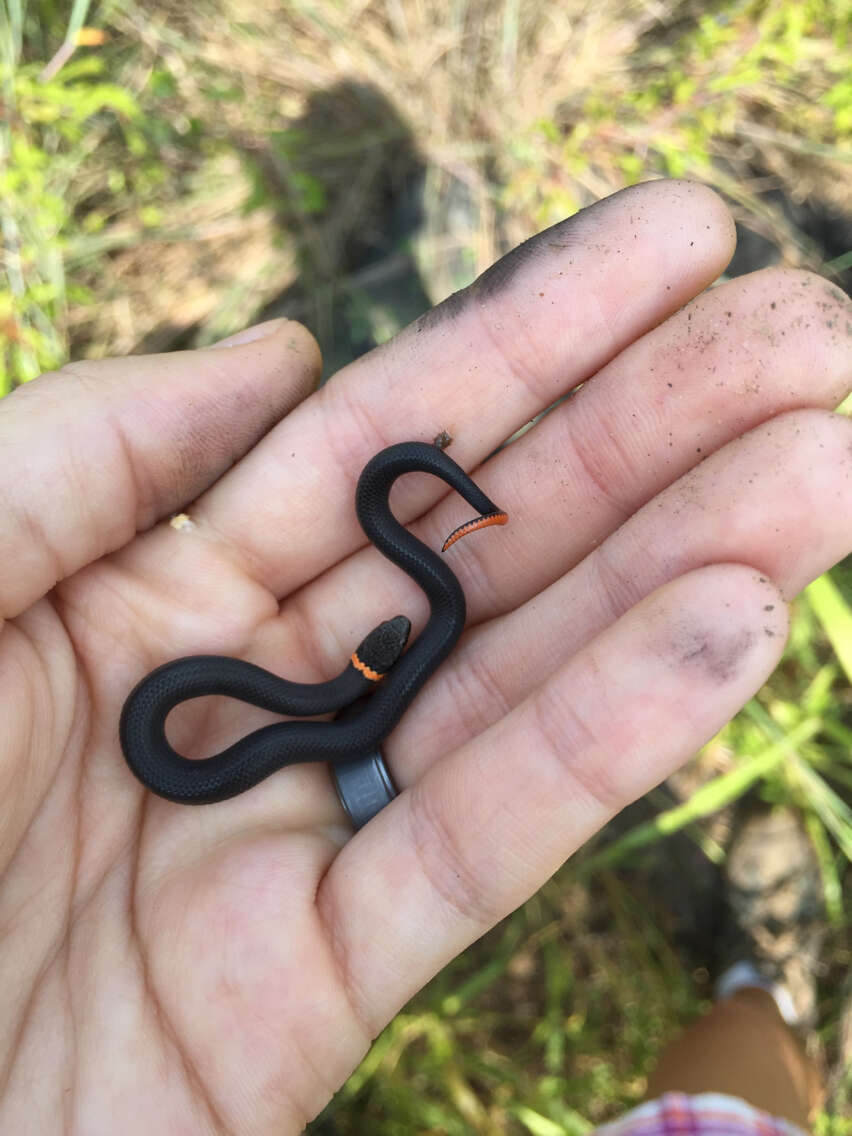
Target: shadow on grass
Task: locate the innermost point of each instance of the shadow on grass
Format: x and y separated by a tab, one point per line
346	183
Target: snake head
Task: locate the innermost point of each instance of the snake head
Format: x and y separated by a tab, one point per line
378	652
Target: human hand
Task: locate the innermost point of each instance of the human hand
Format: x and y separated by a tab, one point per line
223	968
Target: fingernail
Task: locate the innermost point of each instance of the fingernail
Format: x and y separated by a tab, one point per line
250	334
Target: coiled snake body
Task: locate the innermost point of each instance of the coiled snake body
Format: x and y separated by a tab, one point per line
380	666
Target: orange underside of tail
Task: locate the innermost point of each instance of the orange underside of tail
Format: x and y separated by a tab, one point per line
474	526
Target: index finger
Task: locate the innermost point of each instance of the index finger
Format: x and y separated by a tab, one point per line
540	321
93	454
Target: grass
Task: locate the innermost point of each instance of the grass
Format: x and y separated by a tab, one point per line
545	1027
169	173
195	137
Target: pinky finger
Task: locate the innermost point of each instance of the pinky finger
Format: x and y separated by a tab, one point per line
490	823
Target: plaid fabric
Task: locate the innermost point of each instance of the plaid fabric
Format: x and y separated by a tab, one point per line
706	1114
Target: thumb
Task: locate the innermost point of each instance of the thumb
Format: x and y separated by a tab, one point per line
100	450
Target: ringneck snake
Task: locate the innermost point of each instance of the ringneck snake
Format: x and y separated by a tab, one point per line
380	667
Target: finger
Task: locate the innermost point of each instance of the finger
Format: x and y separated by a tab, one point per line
775	499
736	356
535	325
101	450
491	823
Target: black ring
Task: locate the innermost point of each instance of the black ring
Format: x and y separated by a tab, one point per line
364	786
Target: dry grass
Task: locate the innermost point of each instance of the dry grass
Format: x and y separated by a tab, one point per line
511	112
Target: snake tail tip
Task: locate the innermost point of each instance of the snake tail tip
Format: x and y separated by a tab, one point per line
483	522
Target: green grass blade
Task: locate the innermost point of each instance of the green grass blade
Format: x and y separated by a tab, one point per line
707	800
15	25
832	888
831	809
540	1125
835	616
487	974
711	848
79	12
840	733
839	264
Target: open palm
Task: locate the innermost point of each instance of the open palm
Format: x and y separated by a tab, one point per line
223	968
